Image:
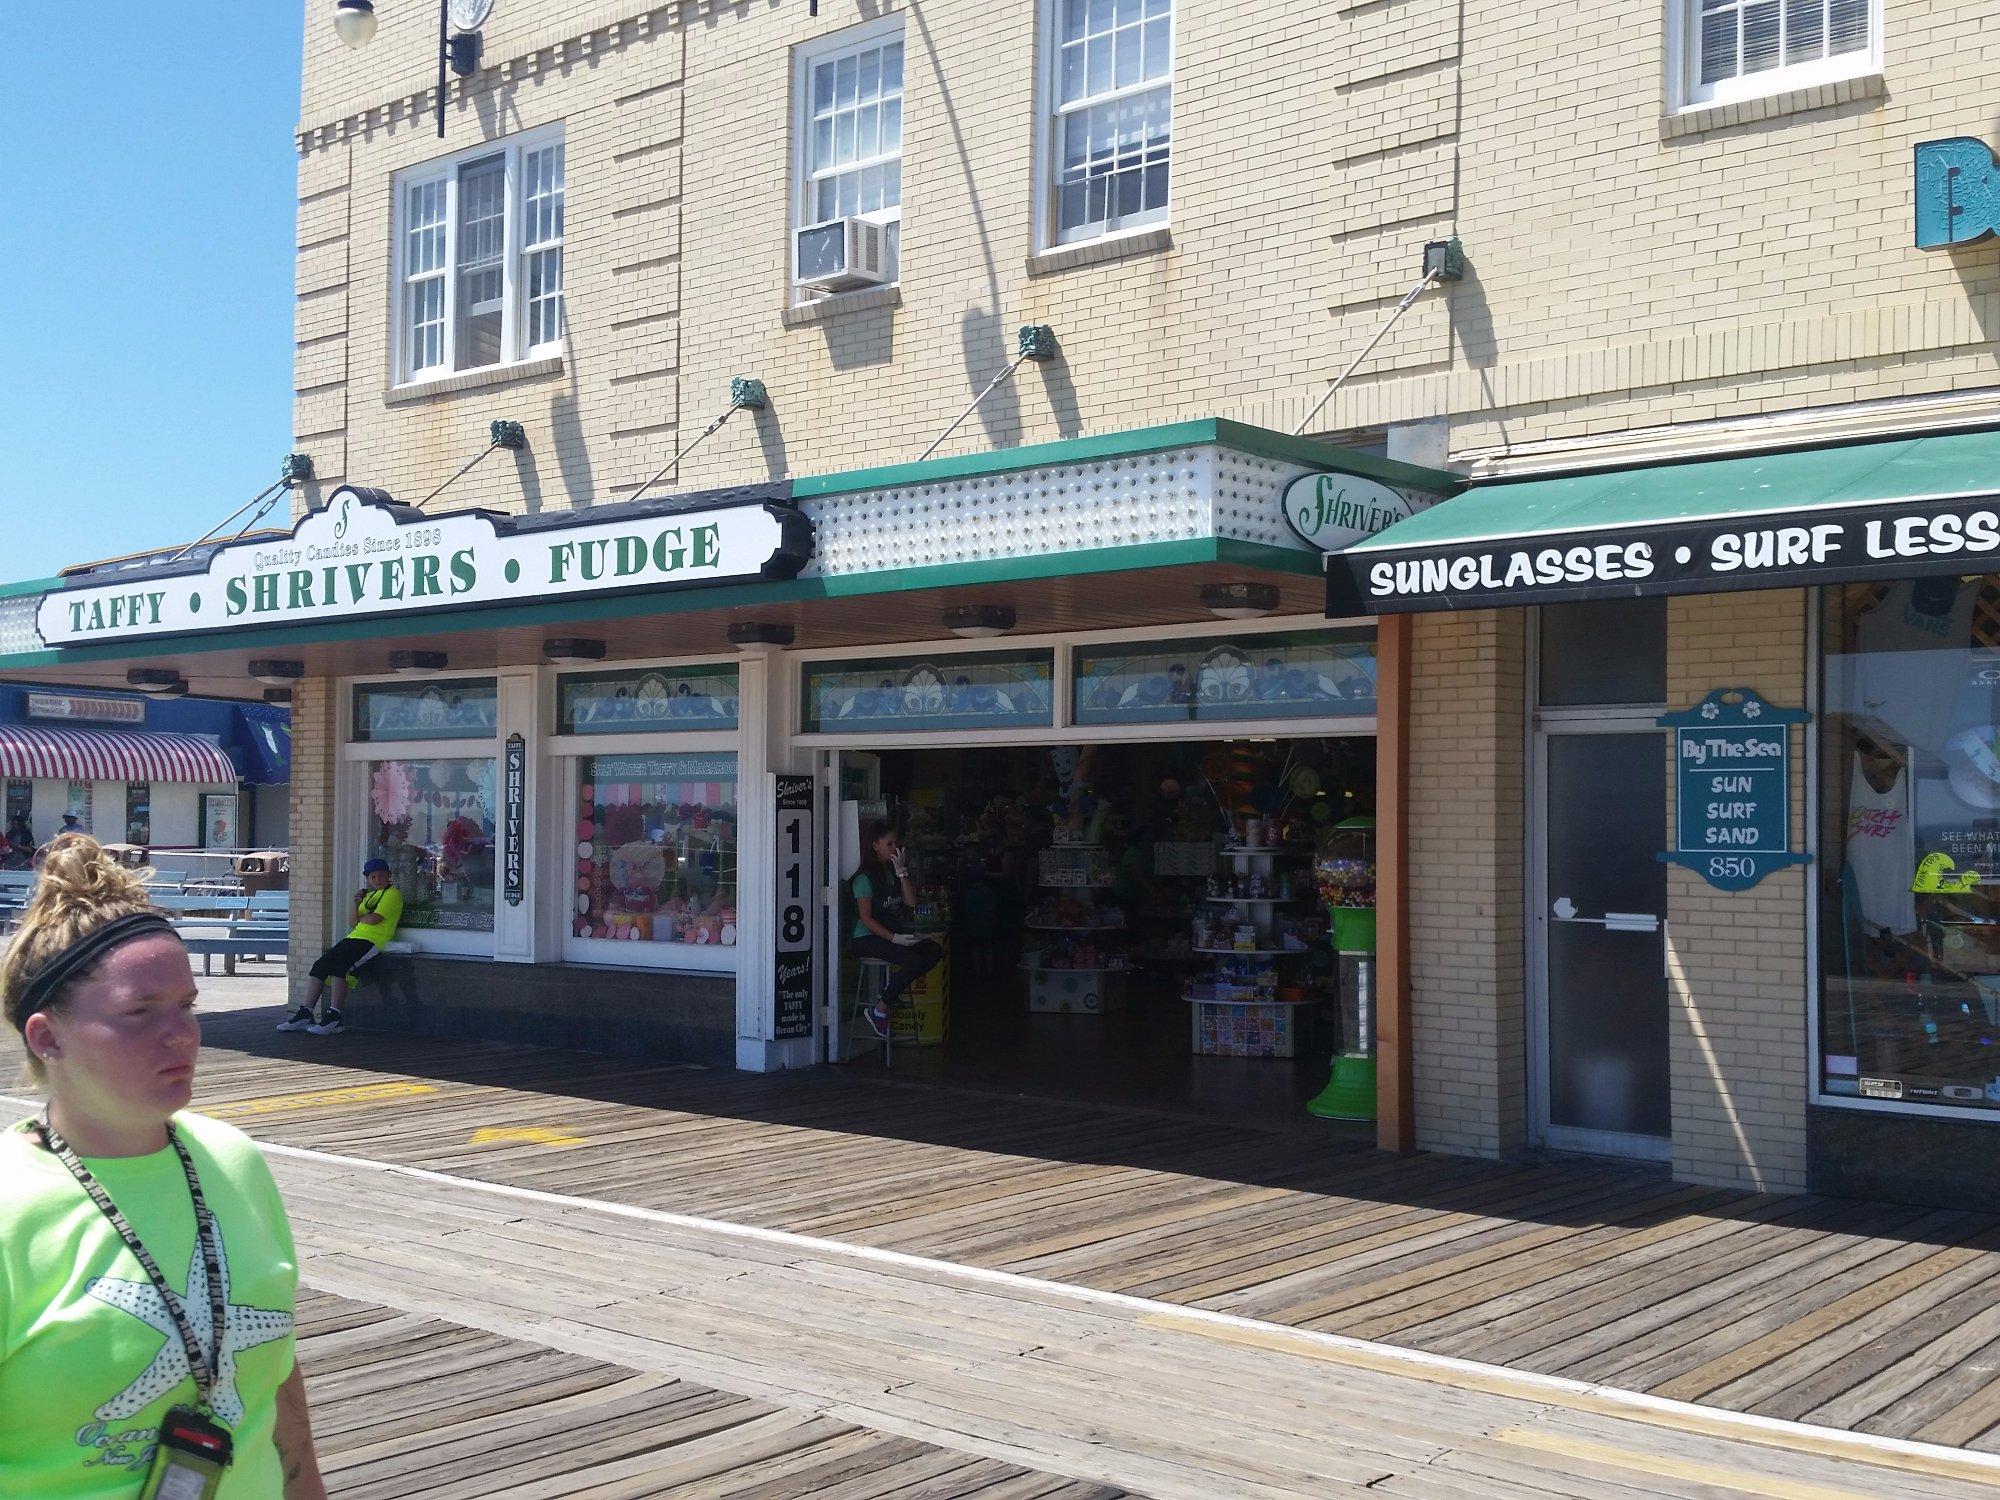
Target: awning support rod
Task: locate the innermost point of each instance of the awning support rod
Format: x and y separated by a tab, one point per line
263	497
1409	300
1034	341
501	435
296	470
744	395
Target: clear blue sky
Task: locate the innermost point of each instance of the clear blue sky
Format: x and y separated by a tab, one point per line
145	272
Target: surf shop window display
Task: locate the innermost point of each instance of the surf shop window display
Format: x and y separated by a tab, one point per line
655	860
1909	941
433	820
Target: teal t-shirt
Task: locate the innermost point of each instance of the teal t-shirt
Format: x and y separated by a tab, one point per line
90	1362
864	890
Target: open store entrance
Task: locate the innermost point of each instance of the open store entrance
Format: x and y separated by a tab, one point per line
1143	923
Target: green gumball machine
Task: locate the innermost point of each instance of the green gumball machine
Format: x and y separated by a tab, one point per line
1345	871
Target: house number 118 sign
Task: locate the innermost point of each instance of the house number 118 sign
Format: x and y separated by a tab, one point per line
793	973
1733	788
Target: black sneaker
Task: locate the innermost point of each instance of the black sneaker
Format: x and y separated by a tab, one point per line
329	1027
299	1020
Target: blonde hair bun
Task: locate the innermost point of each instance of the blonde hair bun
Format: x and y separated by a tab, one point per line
78	874
79	889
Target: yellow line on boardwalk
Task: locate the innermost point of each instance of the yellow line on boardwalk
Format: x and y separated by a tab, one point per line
533	1135
360	1093
1717	1476
1625	1407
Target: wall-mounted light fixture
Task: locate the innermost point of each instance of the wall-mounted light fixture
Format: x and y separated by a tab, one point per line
277	674
572	651
161	682
354	22
417	663
978	622
760	633
1239	601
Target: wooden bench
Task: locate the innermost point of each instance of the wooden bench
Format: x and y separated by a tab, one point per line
233	939
16	886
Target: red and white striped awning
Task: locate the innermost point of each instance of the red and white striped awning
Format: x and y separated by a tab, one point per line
27	751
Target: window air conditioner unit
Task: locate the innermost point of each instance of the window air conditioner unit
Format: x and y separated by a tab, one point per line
843	254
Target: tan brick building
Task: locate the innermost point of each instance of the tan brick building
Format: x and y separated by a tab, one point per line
1687	248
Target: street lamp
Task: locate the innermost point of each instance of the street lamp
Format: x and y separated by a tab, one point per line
354	21
458	36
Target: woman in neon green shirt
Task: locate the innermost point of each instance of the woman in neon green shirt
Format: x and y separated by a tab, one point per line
147	1272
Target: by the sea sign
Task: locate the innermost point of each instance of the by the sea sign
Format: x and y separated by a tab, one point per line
1332	511
363	554
1732	788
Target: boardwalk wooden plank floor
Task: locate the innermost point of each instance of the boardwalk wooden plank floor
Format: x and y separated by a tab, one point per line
406	1405
1876	1317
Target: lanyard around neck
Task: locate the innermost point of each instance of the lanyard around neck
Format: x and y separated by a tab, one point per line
204	1369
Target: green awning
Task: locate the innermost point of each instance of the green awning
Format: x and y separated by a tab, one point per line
1896	508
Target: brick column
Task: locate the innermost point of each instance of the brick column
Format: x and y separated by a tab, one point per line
1467	860
313	763
1736	960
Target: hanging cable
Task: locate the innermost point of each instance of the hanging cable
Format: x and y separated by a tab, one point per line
296	469
744	395
1443	261
503	435
1035	341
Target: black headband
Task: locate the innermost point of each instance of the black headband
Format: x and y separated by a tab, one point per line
48	982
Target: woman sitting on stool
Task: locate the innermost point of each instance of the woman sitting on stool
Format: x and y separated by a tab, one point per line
884	902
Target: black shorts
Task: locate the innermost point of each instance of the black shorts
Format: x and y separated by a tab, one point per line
343	958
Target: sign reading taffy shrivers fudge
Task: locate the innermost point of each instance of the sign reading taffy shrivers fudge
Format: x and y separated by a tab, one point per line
364	554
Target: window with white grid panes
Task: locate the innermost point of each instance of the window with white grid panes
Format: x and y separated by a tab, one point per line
1742	49
1109	85
479	242
542	243
424	275
850	131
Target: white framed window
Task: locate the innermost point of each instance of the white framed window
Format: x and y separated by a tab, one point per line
1729	50
1107	86
848	130
478	258
420	790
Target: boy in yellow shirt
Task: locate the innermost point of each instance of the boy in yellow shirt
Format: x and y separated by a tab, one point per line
378	907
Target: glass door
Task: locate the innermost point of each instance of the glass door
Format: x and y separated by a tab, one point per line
1602	912
856	778
1597	895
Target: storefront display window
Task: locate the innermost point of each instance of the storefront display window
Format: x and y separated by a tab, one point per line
426	711
1910	819
987	690
656	849
1317	675
434	822
20	803
138	812
652	700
